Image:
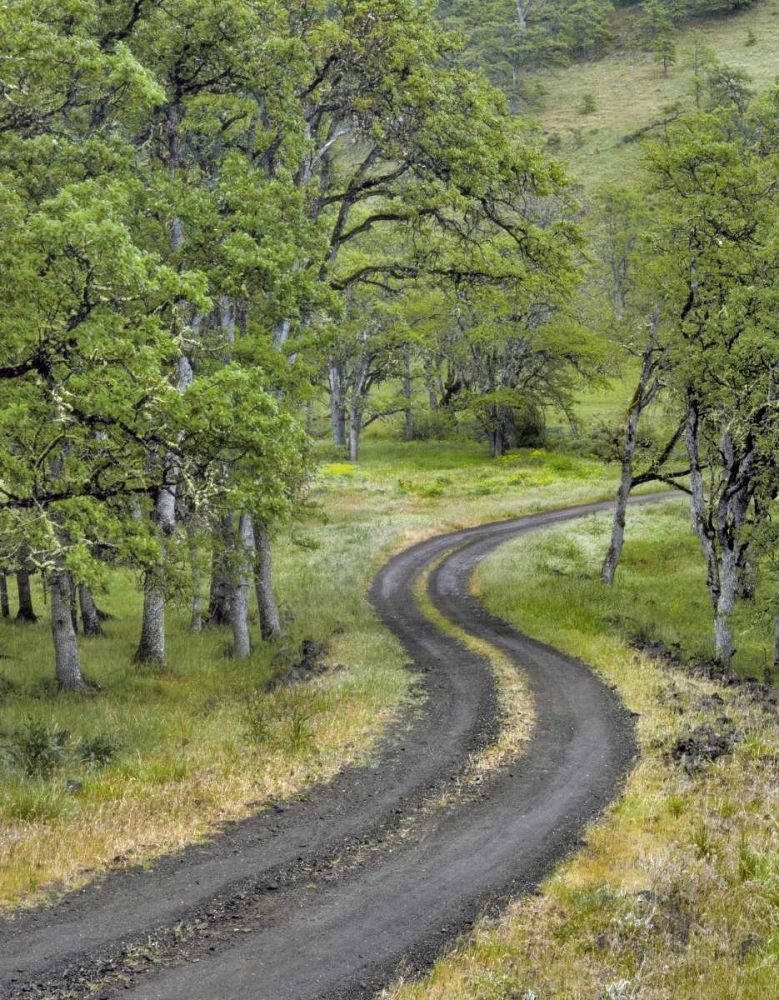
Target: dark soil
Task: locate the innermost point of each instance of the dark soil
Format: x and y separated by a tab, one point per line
704	744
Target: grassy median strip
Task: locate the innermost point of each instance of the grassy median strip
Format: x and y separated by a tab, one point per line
516	702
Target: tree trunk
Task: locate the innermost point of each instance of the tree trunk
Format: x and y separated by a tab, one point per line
68	665
90	620
219	596
151	648
614	553
723	630
432	391
239	604
497	441
73	604
355	426
26	611
4	606
270	620
407	394
700	524
337	405
196	621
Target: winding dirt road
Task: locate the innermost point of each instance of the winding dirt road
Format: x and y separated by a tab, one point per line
329	897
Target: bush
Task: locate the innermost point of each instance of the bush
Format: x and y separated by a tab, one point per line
588	105
96	751
37	749
435	425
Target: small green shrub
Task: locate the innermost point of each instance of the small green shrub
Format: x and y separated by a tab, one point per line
588	105
96	751
434	426
36	748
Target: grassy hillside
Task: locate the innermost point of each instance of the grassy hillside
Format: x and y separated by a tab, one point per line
631	91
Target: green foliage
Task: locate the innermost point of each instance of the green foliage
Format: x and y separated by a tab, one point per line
508	39
96	751
36	748
588	105
665	51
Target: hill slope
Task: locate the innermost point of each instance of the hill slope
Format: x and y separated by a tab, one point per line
631	91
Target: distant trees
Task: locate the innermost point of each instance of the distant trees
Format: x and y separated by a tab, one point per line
510	38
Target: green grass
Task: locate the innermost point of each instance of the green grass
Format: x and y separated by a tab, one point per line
660	594
675	893
631	91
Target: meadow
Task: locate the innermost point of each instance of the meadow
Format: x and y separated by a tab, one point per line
631	91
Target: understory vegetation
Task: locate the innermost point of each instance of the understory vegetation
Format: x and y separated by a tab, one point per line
675	892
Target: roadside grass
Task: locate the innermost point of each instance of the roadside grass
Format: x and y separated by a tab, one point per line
631	91
204	742
676	893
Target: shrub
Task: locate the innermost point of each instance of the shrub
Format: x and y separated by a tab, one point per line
588	105
36	748
96	751
435	425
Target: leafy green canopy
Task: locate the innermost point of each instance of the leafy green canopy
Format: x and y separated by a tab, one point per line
190	190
